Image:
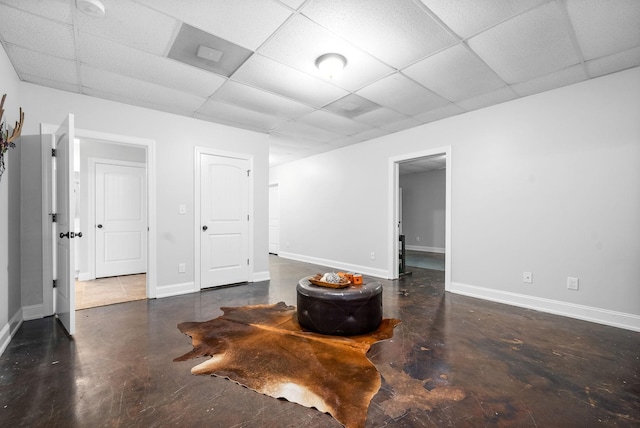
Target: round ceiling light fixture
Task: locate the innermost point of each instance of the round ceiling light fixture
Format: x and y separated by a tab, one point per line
331	64
93	8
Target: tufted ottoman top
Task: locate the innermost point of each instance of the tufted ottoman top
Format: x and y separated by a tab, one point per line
353	292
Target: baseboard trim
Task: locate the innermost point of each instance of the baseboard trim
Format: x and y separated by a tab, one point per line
378	273
571	310
260	276
9	330
84	276
175	289
32	312
425	249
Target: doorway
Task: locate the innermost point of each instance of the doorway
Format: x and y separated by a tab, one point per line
422	211
274	219
428	160
115	143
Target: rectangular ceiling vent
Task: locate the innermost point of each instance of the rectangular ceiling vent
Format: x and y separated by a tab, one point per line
351	106
203	50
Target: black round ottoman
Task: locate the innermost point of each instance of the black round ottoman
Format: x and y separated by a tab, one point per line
346	311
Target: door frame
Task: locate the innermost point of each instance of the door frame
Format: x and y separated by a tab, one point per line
393	199
48	141
198	152
91	214
277	186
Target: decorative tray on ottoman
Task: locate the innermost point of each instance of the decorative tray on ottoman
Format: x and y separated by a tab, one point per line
316	280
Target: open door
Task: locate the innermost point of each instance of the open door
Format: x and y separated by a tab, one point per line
65	298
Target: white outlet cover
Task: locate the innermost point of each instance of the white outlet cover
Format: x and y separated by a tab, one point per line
527	277
573	283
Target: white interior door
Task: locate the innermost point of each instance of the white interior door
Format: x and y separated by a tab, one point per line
274	219
224	206
65	297
120	220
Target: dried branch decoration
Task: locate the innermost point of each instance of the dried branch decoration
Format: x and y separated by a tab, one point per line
6	140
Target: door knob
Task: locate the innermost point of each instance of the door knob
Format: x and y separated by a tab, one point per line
204	227
99	226
64	235
79	235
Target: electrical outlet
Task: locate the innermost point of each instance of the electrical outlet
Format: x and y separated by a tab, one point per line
572	283
417	239
373	255
527	277
182	268
182	209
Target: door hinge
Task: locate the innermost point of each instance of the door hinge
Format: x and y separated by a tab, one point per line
247	217
247	262
248	173
54	217
55	283
53	153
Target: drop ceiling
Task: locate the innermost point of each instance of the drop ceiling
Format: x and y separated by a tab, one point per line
409	62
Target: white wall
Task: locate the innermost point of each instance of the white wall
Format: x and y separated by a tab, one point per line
10	313
175	137
423	210
548	184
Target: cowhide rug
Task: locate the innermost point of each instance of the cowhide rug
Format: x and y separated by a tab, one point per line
264	348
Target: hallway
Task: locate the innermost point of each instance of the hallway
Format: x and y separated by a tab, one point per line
516	367
111	290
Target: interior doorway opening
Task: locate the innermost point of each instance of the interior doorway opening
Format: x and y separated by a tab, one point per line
118	143
111	262
425	236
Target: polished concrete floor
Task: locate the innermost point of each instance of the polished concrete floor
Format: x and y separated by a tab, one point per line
111	290
454	361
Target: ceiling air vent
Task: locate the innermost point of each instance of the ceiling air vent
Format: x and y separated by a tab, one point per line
203	50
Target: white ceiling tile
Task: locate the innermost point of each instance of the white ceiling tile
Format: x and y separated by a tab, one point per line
131	24
289	142
47	67
344	142
467	17
294	4
398	32
402	94
260	101
36	33
257	19
175	108
50	83
298	129
275	77
300	42
381	115
605	27
370	134
238	116
565	77
111	56
400	125
437	114
528	46
495	97
455	74
612	63
335	123
134	89
58	10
